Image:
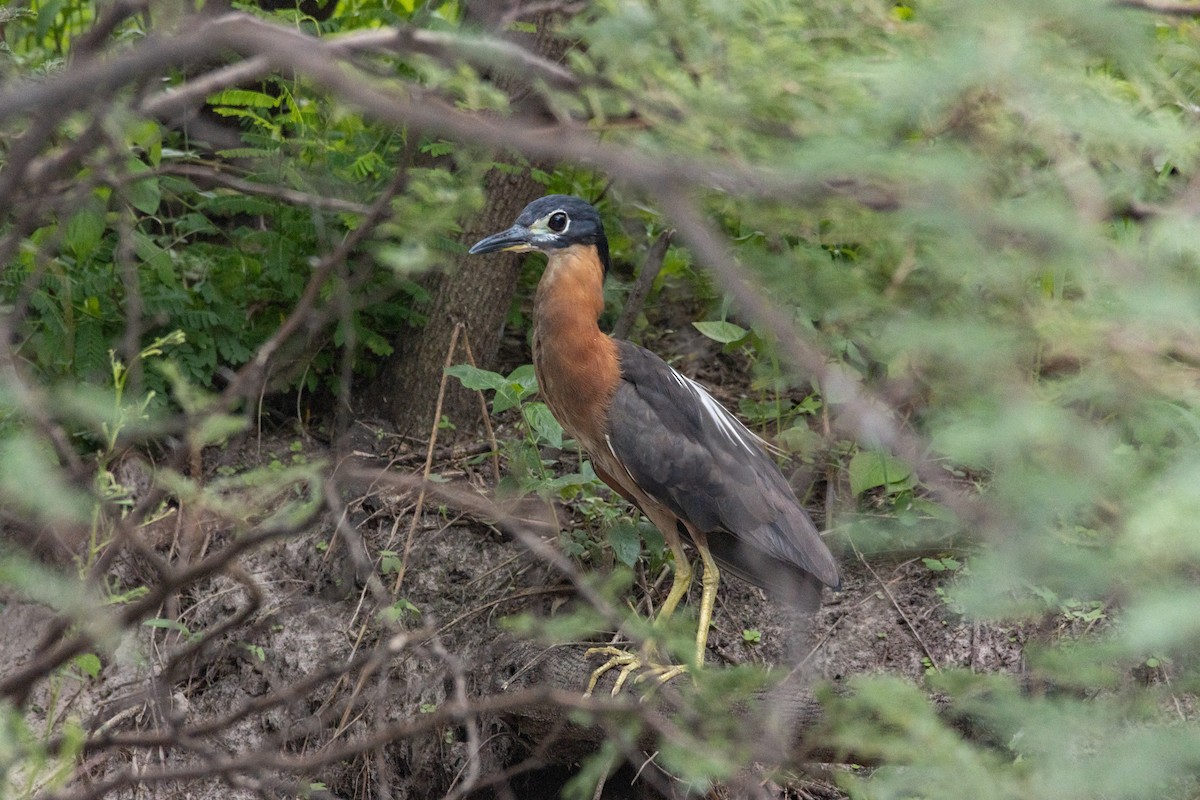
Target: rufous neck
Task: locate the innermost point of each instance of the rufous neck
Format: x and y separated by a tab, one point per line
570	296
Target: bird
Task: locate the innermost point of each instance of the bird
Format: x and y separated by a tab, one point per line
657	437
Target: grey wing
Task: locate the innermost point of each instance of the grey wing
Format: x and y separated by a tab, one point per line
682	447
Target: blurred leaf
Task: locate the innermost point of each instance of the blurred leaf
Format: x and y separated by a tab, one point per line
656	543
84	232
168	624
1162	620
721	331
801	440
144	191
871	469
26	462
88	664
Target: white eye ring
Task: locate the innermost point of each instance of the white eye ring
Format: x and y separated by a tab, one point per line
558	221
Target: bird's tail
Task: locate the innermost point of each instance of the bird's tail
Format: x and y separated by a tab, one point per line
784	581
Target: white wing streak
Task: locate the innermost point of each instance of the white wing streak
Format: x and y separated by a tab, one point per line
726	423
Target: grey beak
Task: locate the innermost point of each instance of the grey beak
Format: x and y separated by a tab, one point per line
515	239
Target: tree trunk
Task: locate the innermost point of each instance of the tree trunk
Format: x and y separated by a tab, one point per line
478	293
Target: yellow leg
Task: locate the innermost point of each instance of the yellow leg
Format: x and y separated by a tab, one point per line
629	662
680	582
679	587
709	580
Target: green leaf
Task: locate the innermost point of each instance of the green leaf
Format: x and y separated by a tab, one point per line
625	542
721	331
566	485
248	152
940	564
656	543
801	440
244	97
88	664
476	378
438	148
931	509
870	469
29	461
147	135
168	624
144	192
241	113
543	423
520	384
523	381
84	231
217	428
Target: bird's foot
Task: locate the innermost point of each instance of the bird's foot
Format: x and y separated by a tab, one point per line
630	663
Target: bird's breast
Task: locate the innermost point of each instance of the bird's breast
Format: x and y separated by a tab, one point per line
577	375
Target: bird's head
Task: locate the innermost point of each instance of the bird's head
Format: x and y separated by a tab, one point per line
550	223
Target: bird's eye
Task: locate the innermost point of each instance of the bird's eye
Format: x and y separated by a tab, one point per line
557	222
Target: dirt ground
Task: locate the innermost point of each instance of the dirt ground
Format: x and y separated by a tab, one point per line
289	658
463	579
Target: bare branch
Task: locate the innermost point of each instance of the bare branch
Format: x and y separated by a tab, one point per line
1172	9
267	46
80	84
304	199
448	47
641	288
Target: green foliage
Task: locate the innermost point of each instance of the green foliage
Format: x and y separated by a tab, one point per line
225	265
982	212
529	471
399	610
592	772
124	413
28	767
1044	745
943	564
1026	301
